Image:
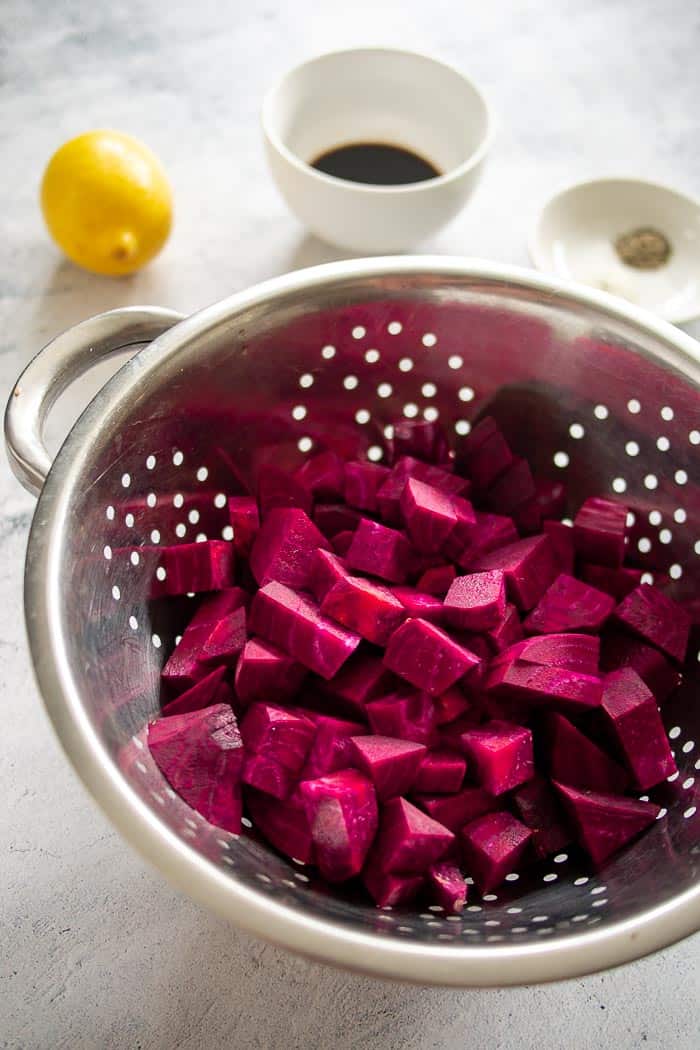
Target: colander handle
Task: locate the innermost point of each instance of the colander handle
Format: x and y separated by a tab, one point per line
59	364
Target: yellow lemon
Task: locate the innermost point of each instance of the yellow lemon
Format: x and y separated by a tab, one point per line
107	202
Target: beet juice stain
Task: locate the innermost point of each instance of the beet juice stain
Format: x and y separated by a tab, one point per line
375	164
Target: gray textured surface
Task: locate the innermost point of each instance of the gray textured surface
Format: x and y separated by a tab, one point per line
96	950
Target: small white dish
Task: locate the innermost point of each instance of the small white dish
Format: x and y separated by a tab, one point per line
375	95
576	233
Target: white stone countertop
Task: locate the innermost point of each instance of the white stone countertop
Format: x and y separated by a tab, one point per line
96	951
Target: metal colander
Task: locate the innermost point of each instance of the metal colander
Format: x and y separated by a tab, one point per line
593	391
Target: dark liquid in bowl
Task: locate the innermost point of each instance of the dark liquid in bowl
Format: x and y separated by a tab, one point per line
375	163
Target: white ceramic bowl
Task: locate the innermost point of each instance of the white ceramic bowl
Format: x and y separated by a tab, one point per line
375	95
576	231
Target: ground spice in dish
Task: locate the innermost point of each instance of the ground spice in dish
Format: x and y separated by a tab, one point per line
645	248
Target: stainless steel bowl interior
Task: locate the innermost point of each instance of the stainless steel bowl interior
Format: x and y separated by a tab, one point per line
590	392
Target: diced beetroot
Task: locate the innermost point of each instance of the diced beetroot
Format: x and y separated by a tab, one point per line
390	763
454	811
389	495
365	607
513	488
215	607
379	551
492	846
429	515
200	754
540	811
606	823
630	711
407	715
409	841
550	498
283	823
267	775
419	438
599	531
501	754
621	650
521	680
363	678
226	640
295	623
192	567
208	636
652	615
323	475
484	453
507	632
245	519
577	761
326	569
573	652
561	537
616	582
440	773
419	604
389	890
569	605
450	705
200	695
277	733
341	542
362	482
284	548
447	886
278	488
264	671
342	812
332	518
460	540
427	657
331	748
437	581
529	567
476	602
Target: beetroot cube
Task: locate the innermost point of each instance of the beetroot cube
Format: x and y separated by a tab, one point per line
574	652
323	475
342	812
193	567
454	811
389	495
599	531
460	541
332	518
501	754
341	542
390	764
536	684
427	657
450	705
365	607
492	846
387	889
507	632
283	823
226	640
491	532
476	602
529	567
200	695
447	886
408	840
326	569
363	678
540	811
428	513
577	761
407	715
379	551
631	713
278	733
513	488
436	581
653	616
208	635
200	755
265	671
561	537
284	548
295	623
245	520
569	605
422	439
616	582
278	488
484	453
440	773
331	748
266	774
418	604
605	823
621	650
362	481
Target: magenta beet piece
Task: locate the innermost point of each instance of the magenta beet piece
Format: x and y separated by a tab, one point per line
536	684
630	711
621	650
267	775
450	705
513	488
507	632
226	640
447	886
284	548
460	540
539	809
200	754
484	454
387	889
277	733
362	482
194	567
326	569
652	615
419	604
264	671
476	602
550	498
187	663
569	605
427	657
577	761
332	518
436	581
245	520
278	488
529	567
407	715
454	811
295	623
342	812
440	773
389	495
561	537
379	551
362	678
391	764
409	841
283	823
491	532
616	582
599	531
501	754
492	846
605	823
367	608
573	652
419	438
199	695
331	747
341	542
429	515
323	475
